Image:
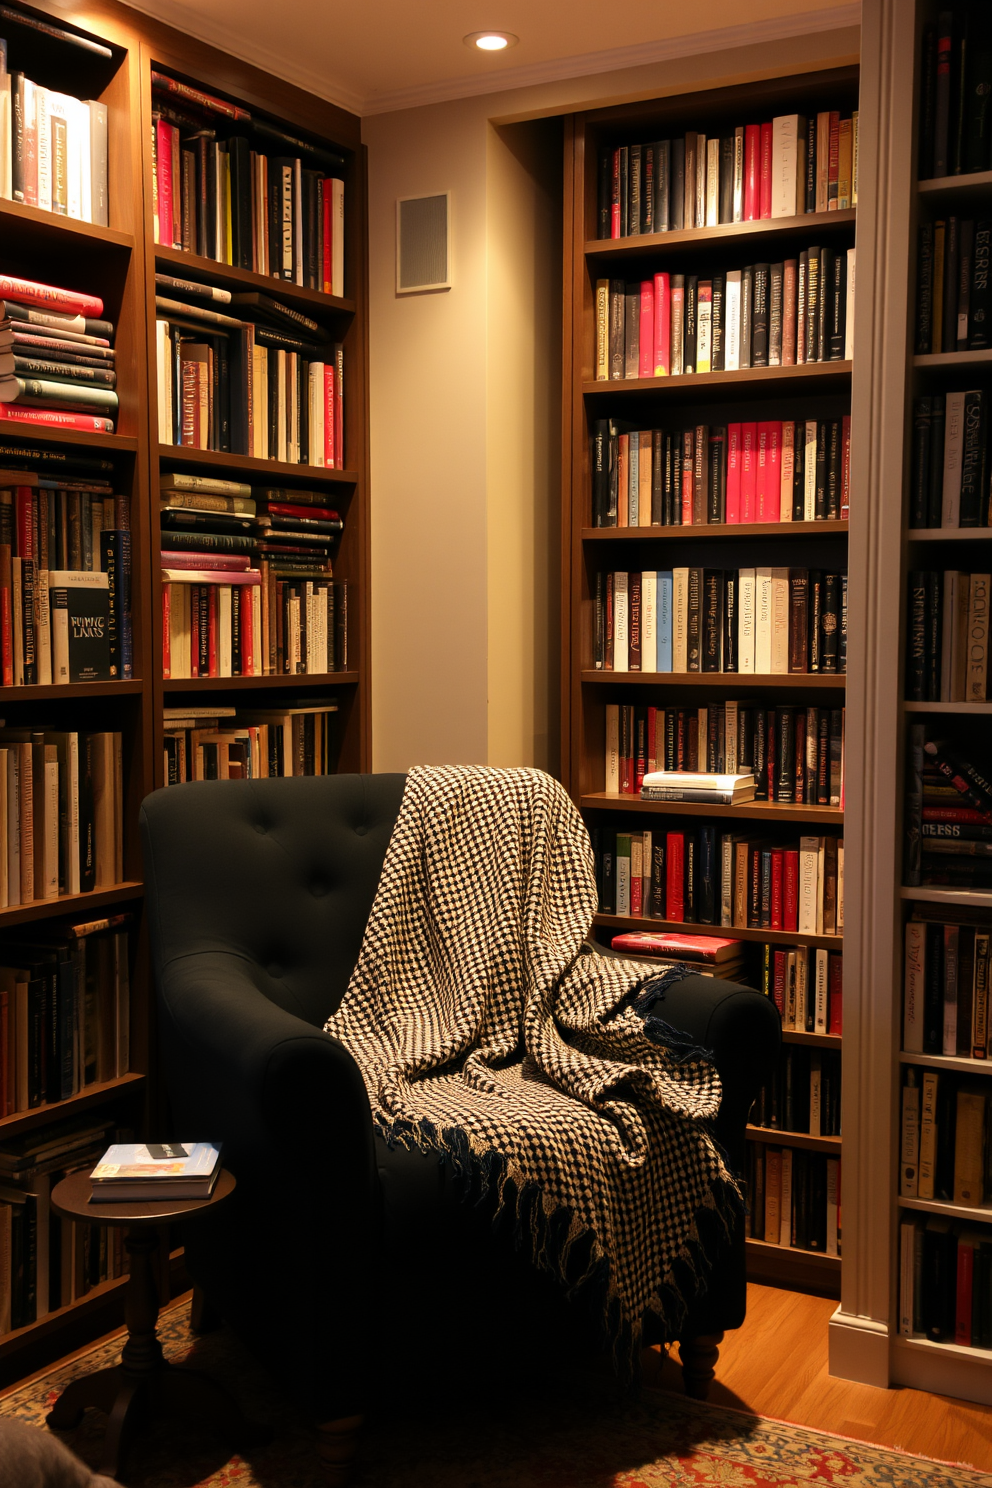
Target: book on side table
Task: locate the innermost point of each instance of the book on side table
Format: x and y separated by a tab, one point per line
156	1170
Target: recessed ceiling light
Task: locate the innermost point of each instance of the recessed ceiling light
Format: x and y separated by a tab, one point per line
491	41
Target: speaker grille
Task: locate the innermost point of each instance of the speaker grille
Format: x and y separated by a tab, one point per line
422	223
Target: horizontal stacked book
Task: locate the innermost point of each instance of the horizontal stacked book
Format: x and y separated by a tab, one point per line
790	753
61	813
264	380
955	86
64	1010
764	315
707	955
793	1198
47	1262
248	581
945	790
65	580
749	620
708	877
953	307
947	656
214	743
950	480
56	357
803	1094
229	185
773	471
785	167
53	146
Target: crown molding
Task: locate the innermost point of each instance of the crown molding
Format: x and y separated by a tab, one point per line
617	59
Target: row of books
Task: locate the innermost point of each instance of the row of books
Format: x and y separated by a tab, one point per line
945	1280
210	743
223	623
806	986
65	581
65	992
951	471
947	649
946	983
56	357
707	877
773	471
955	86
61	813
802	1095
783	168
760	621
793	1198
953	309
794	754
764	315
276	211
46	1261
944	786
945	1152
53	148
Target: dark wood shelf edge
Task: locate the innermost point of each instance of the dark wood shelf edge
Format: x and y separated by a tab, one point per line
776	811
53	691
64	227
829	681
618	385
658	533
182	454
237	684
67	904
91	1095
284	288
29	433
773	1137
760	227
685	927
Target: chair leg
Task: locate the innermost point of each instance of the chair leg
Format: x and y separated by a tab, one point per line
699	1356
337	1448
202	1317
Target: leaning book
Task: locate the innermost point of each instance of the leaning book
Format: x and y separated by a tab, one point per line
156	1170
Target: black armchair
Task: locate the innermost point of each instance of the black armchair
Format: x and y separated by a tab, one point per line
258	894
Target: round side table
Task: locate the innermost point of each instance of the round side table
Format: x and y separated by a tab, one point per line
143	1379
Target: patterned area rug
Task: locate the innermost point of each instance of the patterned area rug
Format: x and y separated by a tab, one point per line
579	1439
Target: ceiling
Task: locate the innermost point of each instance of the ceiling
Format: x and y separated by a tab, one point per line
378	55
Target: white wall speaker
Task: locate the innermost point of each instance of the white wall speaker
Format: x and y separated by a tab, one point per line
423	243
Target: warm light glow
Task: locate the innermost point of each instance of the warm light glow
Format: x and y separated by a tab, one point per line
491	41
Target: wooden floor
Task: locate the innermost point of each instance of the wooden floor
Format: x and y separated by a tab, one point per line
776	1365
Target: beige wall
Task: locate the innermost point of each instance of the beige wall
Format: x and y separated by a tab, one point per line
465	411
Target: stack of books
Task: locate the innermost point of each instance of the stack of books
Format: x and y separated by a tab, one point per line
708	955
953	305
774	471
956	80
683	785
803	1094
56	357
278	213
950	486
945	790
947	653
764	315
945	1280
211	743
793	1198
155	1170
265	380
785	167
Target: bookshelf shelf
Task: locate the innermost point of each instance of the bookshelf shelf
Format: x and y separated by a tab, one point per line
55	691
773	810
764	231
33	226
959	1062
936	360
828	1263
685	927
950	534
813	1040
92	1095
943	188
738	531
776	1138
71	904
20	432
821	376
932	894
220	460
950	1350
238	684
980	1214
827	681
977	709
173	261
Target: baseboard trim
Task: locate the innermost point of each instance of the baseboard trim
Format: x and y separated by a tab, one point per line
859	1349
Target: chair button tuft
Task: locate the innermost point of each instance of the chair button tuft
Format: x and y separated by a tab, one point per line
361	830
260	829
318	889
275	970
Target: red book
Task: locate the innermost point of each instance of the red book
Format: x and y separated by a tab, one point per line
777	877
688	480
626	749
769	497
752	169
780	963
163	160
6	629
247	632
733	497
194	95
790	897
85	422
49	297
711	949
290	509
954	814
749	470
326	267
845	487
235	562
166	634
765	188
338	407
212	666
6	1099
329	414
662	327
965	1274
674	874
615	197
835	994
761	477
646	335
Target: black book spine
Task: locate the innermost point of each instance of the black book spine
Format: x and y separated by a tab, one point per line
676	480
624	191
689	324
799	470
718	348
928	79
712	636
824	310
785	754
959	89
916	633
830	622
657	477
760	757
677	186
924	295
759	317
822	447
974	475
811	163
942	95
662	185
838	308
934	613
647	188
966	260
599	621
600	472
798	618
812	304
608	874
730	621
694	621
775	285
668	480
935	485
952	248
919	502
747	315
605	193
980	324
833	469
813	610
977	118
635	168
726	212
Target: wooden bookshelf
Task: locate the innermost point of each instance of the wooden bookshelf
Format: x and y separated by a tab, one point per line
118	262
714	397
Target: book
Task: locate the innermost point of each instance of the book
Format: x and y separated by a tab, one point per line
152	1170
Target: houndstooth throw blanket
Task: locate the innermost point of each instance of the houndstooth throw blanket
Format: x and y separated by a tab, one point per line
485	1034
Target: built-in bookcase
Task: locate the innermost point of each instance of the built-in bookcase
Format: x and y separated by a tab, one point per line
118	262
817	390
